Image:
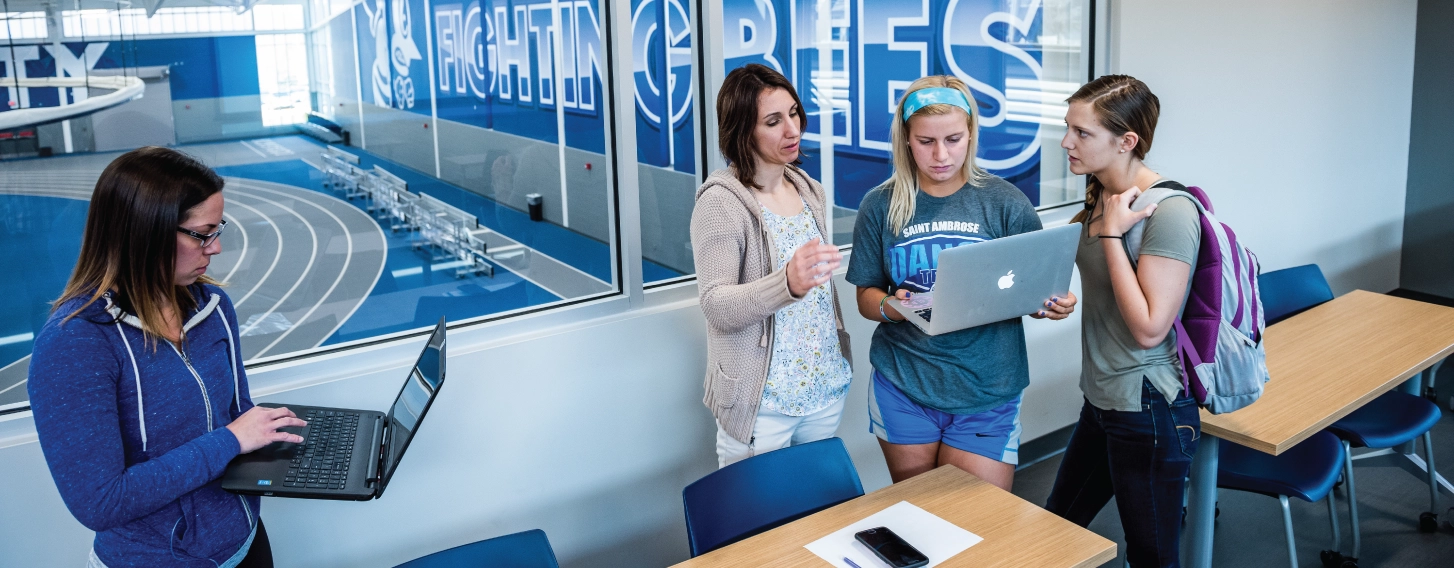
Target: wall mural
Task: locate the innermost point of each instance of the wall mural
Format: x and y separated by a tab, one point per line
852	60
395	59
38	61
496	66
661	36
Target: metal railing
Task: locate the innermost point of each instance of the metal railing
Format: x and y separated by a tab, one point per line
446	234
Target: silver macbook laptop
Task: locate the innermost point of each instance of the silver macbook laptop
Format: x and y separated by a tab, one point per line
994	280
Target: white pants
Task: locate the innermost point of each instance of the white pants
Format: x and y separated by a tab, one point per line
775	431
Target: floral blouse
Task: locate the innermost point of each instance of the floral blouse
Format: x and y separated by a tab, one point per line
807	372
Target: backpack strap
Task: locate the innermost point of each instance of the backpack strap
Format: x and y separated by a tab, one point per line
1154	194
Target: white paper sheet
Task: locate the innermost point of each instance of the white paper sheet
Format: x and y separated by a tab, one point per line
935	537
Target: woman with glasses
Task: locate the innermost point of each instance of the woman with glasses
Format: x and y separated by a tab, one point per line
136	381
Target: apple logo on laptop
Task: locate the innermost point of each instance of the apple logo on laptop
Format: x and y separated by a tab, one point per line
1007	280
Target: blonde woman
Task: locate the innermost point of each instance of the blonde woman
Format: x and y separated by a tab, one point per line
951	398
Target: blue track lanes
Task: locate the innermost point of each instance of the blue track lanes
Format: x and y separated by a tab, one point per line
42	239
418	296
584	253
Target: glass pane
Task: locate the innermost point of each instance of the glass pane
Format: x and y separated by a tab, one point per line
463	121
666	133
852	60
511	131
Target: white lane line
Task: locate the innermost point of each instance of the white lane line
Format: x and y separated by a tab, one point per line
255	150
420	269
277	254
379	273
301	277
522	276
347	259
567	265
242	251
383	260
63	194
506	248
17	338
22	381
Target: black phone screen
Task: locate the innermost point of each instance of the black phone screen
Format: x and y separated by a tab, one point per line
891	548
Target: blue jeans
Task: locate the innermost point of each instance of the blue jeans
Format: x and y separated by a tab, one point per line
1140	458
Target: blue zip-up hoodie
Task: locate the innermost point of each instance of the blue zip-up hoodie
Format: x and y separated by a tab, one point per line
135	432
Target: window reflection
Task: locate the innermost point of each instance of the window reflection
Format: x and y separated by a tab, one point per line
388	163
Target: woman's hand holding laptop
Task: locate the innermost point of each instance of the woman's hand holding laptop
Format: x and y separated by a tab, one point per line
1057	308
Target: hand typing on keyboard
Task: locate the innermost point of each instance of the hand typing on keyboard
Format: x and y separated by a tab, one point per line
260	426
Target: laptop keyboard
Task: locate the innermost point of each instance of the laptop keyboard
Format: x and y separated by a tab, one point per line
924	313
322	460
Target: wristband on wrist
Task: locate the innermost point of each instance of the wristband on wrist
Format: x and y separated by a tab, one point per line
881	311
1110	237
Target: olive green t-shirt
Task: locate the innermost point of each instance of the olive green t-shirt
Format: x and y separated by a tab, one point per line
1112	363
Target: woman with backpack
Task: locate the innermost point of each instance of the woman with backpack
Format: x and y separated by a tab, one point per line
1138	428
952	398
777	354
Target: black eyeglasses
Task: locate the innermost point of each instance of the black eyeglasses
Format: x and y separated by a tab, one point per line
207	239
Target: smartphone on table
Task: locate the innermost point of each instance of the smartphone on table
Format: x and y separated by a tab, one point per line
890	548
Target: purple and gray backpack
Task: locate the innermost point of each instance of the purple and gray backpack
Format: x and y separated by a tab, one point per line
1219	333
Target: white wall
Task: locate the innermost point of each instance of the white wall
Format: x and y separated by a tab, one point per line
1293	114
589	434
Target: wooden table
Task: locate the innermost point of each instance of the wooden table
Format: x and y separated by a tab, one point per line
1324	364
1016	532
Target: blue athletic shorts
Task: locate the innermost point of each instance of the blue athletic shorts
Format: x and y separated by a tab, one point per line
897	419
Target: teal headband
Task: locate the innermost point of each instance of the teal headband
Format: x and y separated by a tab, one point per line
935	96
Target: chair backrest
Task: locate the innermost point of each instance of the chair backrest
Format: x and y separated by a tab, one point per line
1291	291
766	491
529	549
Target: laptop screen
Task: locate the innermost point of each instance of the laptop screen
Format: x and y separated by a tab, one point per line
413	401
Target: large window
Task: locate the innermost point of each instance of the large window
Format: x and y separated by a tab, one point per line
479	178
282	72
852	59
664	74
22	25
176	21
494	114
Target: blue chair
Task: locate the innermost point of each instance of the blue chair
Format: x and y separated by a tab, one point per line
1291	291
1307	471
529	549
766	491
1390	420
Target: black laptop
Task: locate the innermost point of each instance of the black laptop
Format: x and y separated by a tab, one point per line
346	454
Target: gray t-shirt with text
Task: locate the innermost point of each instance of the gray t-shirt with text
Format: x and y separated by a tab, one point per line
966	371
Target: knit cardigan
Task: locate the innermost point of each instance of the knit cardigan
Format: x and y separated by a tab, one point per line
741	289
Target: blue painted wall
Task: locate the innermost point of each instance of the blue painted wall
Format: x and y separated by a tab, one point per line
202	68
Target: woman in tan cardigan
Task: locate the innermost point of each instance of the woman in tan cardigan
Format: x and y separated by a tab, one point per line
777	356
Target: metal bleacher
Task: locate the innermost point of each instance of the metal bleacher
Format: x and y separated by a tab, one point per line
447	234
